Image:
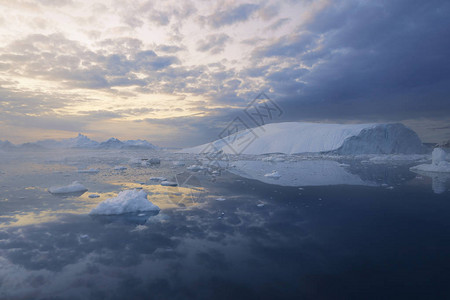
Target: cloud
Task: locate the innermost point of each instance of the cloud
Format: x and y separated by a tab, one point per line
214	43
229	16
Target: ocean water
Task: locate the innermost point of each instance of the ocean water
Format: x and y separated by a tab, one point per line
326	229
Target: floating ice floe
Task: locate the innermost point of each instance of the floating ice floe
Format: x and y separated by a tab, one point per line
195	168
89	171
74	187
221	199
158	178
169	183
129	201
438	164
94	196
120	168
274	175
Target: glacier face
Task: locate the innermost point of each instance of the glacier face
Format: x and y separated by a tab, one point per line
299	137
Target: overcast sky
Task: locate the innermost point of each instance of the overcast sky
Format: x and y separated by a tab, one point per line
177	72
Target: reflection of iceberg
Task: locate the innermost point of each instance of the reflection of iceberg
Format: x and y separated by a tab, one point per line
137	218
302	173
439	180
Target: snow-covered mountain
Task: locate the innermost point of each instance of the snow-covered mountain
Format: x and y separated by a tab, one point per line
79	142
299	137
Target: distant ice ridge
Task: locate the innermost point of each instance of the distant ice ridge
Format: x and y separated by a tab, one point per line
299	137
438	164
128	201
74	187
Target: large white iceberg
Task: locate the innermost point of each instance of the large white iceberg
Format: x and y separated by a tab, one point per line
128	201
299	137
74	187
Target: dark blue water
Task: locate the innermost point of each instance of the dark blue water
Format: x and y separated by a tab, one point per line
264	241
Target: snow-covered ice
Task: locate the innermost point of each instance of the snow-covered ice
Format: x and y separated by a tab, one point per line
299	137
220	199
127	201
74	187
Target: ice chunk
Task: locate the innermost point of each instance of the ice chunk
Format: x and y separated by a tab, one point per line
74	187
274	174
94	196
195	168
438	155
221	199
90	171
128	201
158	178
178	163
120	168
168	183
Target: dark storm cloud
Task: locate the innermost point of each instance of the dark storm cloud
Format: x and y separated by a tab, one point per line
388	59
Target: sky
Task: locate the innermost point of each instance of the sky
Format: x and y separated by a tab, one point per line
177	73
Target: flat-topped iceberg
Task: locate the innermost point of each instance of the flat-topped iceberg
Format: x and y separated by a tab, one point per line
74	187
128	201
299	137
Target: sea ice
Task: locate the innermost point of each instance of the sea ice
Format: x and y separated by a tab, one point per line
195	168
438	156
120	168
94	196
74	187
127	201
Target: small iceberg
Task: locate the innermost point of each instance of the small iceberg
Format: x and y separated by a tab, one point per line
94	196
221	199
74	187
195	168
169	183
129	201
274	175
89	171
158	178
438	163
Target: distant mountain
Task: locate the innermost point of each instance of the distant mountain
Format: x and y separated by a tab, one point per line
7	145
114	143
79	142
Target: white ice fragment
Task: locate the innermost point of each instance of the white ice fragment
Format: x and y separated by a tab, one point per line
90	171
221	199
274	175
438	156
158	178
168	183
260	205
195	168
127	201
94	196
74	187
